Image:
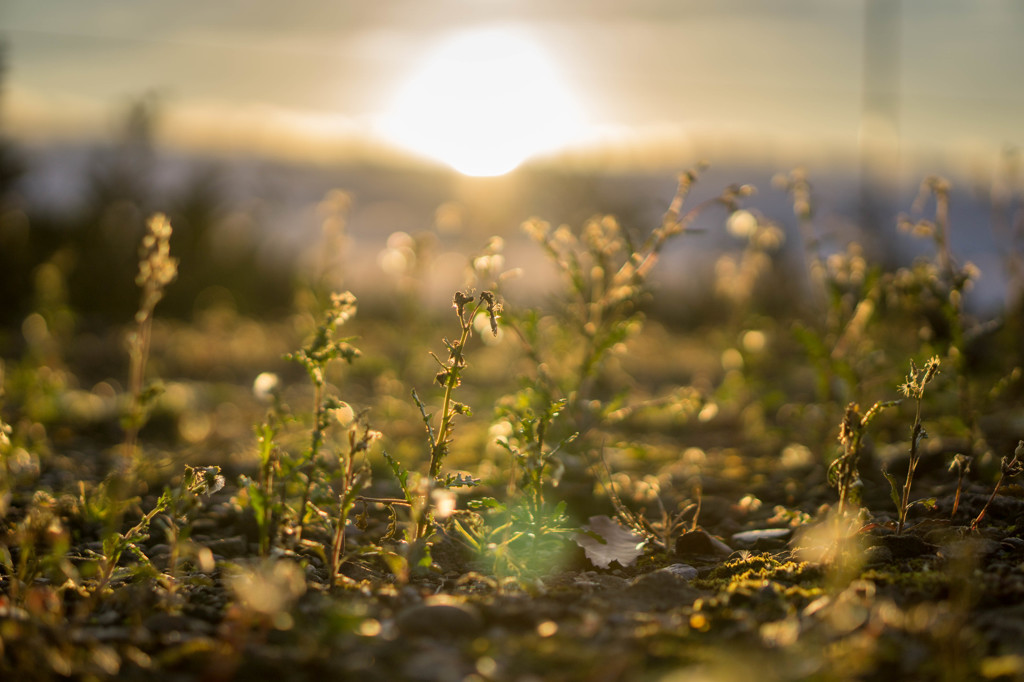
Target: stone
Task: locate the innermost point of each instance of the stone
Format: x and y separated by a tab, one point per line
877	555
763	539
684	571
660	590
907	546
440	620
701	543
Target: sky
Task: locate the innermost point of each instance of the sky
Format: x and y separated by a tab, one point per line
473	83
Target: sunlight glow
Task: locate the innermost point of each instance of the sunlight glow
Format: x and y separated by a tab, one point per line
483	102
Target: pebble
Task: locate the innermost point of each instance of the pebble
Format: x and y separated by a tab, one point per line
1012	544
684	571
877	555
439	620
699	542
661	590
766	538
907	546
162	623
599	581
970	548
231	547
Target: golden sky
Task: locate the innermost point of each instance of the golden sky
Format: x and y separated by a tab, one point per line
485	84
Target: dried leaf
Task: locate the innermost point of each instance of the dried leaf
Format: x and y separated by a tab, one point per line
606	541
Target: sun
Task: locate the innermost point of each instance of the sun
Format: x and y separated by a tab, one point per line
483	102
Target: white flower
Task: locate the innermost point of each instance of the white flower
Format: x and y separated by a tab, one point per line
265	386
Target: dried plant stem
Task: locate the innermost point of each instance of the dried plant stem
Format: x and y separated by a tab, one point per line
1008	469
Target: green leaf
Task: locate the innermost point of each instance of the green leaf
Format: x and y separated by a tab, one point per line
397	564
469	538
401	474
460	481
486	503
894	492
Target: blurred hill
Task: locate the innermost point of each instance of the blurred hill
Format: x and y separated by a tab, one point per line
248	227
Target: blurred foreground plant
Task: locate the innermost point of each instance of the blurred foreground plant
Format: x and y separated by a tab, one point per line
524	532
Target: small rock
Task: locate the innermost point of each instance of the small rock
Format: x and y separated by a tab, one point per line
592	580
700	543
945	536
105	633
439	620
662	590
764	539
715	509
163	623
907	546
877	555
1012	544
204	525
970	548
229	547
684	571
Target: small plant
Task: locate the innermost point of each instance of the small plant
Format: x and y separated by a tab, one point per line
844	294
156	271
962	464
40	540
174	507
450	377
606	276
534	465
314	358
843	473
178	507
1009	468
261	492
912	388
265	505
942	288
353	480
6	474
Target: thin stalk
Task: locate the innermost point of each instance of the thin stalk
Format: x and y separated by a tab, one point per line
451	374
915	437
136	372
457	362
314	450
338	545
984	510
1008	469
267	486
